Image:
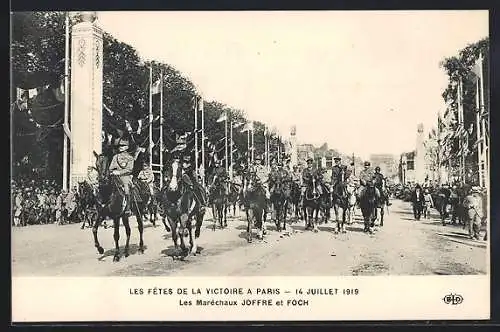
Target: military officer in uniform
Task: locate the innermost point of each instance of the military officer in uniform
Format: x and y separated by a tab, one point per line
122	165
380	182
261	175
146	176
307	175
366	176
220	173
337	171
296	175
189	177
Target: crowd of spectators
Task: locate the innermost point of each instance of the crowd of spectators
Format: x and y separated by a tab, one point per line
41	202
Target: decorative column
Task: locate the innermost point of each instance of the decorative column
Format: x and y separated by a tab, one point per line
86	94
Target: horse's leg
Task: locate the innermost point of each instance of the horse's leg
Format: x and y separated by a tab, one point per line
116	236
140	227
249	225
284	217
167	228
95	227
126	224
225	214
215	216
382	216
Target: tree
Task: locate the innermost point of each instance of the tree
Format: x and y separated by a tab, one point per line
460	68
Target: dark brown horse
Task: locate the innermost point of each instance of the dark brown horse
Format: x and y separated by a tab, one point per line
112	202
255	201
368	206
219	199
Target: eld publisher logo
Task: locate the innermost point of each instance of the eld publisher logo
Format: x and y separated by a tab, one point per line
453	299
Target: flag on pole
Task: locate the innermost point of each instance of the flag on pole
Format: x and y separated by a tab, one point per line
477	68
200	103
155	89
222	118
247	127
139	127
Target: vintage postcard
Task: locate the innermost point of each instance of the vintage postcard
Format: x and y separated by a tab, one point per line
257	166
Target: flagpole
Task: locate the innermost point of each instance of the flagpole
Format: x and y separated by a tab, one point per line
253	143
161	128
248	146
353	165
66	104
478	136
265	146
231	148
486	149
150	148
202	141
461	122
225	139
195	106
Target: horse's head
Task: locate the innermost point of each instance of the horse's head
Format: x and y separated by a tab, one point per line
102	167
173	184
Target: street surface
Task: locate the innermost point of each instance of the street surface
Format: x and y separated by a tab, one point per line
402	247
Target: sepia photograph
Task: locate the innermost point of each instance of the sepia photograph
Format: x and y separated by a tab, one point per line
250	144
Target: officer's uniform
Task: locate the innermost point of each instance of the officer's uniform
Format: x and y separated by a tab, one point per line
274	177
296	176
474	215
147	176
307	177
190	179
262	176
337	170
220	175
379	181
122	165
367	176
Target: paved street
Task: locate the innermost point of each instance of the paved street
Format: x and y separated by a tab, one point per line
402	247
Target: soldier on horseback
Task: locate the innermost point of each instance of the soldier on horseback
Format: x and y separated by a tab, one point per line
338	171
122	165
380	182
261	175
219	177
146	176
307	175
190	179
366	177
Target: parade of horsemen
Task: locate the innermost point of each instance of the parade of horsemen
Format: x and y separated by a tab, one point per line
122	159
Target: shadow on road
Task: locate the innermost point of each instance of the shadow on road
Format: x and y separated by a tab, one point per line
133	250
354	229
172	252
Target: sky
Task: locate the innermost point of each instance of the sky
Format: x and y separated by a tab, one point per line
359	81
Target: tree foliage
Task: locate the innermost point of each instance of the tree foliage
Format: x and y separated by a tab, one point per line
38	41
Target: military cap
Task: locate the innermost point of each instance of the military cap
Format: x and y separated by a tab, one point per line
186	158
258	158
377	168
367	163
337	158
309	160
